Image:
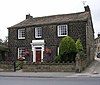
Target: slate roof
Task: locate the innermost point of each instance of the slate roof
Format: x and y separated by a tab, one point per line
63	18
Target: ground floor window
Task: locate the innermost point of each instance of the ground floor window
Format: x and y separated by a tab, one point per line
21	52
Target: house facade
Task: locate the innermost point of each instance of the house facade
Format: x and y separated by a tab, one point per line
97	44
37	39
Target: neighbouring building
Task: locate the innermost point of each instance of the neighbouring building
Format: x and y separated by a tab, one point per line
97	44
39	37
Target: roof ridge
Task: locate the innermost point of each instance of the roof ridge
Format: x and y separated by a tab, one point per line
52	19
61	15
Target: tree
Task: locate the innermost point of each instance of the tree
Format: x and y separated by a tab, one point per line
79	45
1	41
67	49
6	41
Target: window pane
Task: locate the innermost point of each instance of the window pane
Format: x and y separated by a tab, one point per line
38	32
21	33
62	30
21	52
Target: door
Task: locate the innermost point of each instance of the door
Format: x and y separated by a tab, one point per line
38	55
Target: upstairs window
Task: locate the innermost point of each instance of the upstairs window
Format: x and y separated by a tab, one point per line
62	30
21	52
21	33
38	32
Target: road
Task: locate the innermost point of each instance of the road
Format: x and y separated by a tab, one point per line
50	81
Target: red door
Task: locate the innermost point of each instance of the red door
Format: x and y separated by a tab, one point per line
38	55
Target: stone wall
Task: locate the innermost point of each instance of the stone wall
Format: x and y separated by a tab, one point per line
90	40
6	67
81	62
47	67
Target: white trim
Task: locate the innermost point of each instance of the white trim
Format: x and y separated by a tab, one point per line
58	51
59	27
20	34
18	52
38	32
35	44
20	48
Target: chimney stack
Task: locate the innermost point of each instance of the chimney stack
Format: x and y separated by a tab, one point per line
87	8
98	34
29	16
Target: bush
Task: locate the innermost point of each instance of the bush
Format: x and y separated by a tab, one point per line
19	64
67	45
67	49
57	59
79	46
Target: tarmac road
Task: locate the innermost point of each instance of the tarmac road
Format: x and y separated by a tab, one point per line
50	81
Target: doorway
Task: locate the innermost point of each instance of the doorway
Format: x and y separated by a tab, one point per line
38	54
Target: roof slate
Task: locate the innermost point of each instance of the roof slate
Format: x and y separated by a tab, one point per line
81	16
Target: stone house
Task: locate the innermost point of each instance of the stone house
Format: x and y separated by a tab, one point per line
97	44
40	36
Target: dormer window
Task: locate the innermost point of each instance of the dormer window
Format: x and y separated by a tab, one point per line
62	30
38	32
21	33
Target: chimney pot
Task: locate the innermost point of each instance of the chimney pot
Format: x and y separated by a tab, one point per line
99	35
28	16
87	8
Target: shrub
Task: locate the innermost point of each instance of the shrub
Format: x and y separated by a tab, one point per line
57	59
67	49
67	45
19	64
79	46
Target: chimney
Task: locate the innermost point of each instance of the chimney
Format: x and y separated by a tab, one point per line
87	8
99	35
29	16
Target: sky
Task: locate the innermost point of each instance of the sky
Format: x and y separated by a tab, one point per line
15	11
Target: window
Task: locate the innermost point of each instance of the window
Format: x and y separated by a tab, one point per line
21	52
62	30
21	33
38	32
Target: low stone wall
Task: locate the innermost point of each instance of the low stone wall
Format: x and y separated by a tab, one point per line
49	67
6	67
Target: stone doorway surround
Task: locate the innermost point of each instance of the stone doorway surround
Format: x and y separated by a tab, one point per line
37	44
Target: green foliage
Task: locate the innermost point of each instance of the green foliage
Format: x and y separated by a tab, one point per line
67	45
19	64
3	48
57	59
67	50
79	45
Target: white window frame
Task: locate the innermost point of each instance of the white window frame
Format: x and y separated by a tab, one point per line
58	51
61	29
21	32
20	52
38	32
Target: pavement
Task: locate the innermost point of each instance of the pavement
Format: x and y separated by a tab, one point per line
93	70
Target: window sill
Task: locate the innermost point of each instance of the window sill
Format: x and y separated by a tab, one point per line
62	35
